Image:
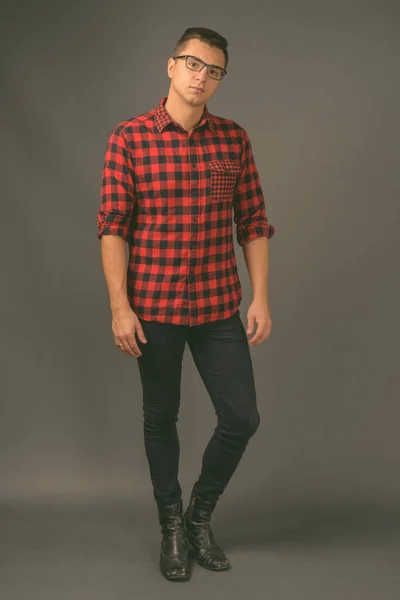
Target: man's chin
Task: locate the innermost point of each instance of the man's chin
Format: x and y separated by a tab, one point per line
195	99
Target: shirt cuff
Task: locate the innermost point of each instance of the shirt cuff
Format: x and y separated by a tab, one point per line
114	224
256	229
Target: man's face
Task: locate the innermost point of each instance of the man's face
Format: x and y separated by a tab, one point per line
184	80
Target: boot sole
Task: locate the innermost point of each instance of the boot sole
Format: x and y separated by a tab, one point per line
177	579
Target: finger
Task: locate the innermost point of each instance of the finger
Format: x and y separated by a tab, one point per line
140	333
259	336
133	347
119	344
125	349
124	346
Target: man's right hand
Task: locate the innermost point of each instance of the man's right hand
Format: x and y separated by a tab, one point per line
124	326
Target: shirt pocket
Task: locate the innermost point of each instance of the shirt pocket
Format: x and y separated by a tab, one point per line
224	174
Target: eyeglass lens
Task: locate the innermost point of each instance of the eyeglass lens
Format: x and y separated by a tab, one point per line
195	64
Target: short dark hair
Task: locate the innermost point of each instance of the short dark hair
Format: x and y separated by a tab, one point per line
211	37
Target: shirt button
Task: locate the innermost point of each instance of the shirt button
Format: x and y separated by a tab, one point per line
194	219
193	245
194	165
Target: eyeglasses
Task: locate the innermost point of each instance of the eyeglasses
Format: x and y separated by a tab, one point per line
196	64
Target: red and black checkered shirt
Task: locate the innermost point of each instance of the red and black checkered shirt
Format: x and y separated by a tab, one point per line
170	195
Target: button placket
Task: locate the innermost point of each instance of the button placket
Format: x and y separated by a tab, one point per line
193	219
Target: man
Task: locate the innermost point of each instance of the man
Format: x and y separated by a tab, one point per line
171	179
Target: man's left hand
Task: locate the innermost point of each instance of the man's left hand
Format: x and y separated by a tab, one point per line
259	313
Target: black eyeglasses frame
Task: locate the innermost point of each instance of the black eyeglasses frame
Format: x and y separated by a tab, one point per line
186	56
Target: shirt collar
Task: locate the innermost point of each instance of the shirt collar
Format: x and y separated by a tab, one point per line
162	118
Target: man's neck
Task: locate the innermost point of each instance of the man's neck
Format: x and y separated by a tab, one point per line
187	116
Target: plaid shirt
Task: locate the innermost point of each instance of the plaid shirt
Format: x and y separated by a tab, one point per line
170	195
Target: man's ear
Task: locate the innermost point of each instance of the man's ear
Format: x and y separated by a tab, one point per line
170	66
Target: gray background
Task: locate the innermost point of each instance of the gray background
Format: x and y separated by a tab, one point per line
316	86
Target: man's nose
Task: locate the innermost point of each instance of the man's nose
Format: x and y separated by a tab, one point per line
202	75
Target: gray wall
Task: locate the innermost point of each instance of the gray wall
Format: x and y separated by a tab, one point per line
316	86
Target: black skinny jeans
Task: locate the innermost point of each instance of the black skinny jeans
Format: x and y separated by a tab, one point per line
221	353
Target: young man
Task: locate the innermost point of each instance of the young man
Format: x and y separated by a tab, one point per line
171	179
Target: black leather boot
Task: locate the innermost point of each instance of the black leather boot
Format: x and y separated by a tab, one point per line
197	519
174	560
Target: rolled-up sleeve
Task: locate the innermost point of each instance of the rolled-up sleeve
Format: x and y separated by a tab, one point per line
248	200
117	188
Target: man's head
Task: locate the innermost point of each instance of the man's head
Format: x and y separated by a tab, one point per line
186	74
